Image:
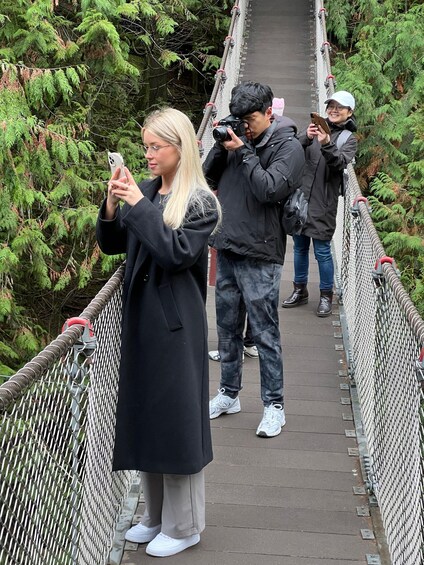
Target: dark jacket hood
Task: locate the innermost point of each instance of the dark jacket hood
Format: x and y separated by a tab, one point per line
285	122
280	127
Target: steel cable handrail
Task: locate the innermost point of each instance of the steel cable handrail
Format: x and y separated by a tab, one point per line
29	373
220	75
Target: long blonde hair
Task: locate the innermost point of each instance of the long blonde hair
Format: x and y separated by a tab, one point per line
189	187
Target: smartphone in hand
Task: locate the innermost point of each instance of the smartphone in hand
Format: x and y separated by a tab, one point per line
320	121
116	161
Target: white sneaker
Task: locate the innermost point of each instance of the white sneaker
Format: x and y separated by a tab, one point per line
163	545
222	404
215	356
142	534
251	351
272	421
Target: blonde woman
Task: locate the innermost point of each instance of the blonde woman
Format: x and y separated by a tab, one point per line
162	420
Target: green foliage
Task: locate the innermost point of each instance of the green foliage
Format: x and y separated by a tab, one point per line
339	20
76	80
399	216
167	58
383	68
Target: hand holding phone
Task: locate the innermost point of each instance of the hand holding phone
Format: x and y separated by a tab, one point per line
116	161
320	121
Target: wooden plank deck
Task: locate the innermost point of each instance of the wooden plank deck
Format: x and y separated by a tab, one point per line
287	500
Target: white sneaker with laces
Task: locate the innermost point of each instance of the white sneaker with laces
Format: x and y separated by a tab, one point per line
251	351
142	534
163	545
223	404
272	421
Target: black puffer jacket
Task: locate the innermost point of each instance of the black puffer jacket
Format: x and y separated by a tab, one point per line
251	183
323	174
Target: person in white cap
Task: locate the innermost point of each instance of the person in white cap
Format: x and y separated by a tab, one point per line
327	154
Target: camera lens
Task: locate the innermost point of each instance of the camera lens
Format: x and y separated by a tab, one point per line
221	134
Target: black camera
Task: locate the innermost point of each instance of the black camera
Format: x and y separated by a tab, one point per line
220	133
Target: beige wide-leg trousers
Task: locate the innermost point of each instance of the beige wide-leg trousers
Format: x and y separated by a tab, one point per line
175	501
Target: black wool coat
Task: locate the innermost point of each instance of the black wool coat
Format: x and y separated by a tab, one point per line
162	419
322	176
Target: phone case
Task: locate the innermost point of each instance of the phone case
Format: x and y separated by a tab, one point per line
320	121
115	161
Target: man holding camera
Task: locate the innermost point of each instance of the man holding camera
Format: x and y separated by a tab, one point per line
254	165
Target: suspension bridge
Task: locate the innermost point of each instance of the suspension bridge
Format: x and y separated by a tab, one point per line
342	484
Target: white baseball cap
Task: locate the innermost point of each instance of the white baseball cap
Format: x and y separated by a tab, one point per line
344	98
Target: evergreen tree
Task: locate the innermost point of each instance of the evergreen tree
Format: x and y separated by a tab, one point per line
383	67
76	79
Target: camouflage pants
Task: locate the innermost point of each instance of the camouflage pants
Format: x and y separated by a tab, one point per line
245	284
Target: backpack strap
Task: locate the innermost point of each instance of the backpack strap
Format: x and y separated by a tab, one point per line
342	138
340	141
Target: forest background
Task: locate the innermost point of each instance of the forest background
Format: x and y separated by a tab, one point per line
77	78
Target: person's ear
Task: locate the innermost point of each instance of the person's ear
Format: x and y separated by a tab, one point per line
268	112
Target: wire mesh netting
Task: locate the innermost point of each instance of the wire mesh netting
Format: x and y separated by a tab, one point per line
386	337
59	498
384	352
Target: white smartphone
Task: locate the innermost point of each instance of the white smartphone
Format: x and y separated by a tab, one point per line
116	161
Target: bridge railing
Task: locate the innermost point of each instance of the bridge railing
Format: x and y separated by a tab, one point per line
60	501
384	337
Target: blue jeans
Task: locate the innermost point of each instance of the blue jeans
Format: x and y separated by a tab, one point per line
245	284
322	251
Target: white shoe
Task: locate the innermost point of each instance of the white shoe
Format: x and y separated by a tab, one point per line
163	545
215	356
142	534
251	351
272	422
223	404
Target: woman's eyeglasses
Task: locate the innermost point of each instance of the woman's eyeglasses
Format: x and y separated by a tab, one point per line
337	107
154	148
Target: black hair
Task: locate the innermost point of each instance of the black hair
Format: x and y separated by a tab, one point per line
249	97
